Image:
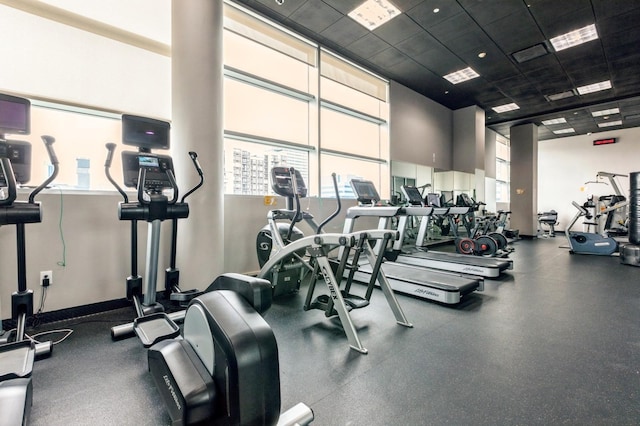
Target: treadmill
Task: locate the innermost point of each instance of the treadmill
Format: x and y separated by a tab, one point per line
440	286
486	267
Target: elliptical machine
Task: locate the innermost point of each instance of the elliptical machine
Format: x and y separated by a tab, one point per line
153	177
290	271
224	370
17	351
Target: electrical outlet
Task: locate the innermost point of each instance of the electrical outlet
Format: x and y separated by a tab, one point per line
47	274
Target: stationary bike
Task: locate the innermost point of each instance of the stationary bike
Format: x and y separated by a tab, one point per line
17	350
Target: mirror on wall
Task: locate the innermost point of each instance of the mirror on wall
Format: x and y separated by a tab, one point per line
403	173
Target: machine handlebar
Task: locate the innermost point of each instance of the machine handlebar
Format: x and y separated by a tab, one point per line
111	148
338	208
196	164
48	142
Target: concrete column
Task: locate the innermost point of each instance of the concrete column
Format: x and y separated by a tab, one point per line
468	139
524	178
197	125
468	145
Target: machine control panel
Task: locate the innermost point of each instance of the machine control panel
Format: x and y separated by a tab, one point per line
157	168
282	182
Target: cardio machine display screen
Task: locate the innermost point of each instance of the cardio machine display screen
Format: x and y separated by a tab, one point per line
144	161
14	115
413	195
365	191
145	132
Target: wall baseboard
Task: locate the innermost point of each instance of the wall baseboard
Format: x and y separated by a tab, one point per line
69	313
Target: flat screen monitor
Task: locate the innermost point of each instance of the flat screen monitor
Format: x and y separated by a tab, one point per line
14	115
146	133
412	194
365	191
464	200
433	200
446	198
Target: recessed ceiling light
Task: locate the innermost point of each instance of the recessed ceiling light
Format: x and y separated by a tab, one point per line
462	75
588	133
436	10
373	13
610	123
446	92
506	107
595	87
482	54
554	121
605	112
574	38
563	131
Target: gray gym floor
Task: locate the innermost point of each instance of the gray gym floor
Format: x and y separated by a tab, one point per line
556	341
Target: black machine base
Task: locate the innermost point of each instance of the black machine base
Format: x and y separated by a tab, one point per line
184	383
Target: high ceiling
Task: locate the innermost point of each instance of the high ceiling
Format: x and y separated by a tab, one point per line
420	46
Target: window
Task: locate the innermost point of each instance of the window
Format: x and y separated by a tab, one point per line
269	102
354	135
503	169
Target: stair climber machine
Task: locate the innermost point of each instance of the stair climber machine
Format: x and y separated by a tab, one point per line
588	242
224	369
630	253
17	350
153	177
486	267
282	247
419	281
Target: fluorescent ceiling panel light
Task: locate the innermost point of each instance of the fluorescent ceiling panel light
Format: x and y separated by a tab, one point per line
373	13
554	121
595	87
462	75
610	123
506	108
574	38
563	131
602	112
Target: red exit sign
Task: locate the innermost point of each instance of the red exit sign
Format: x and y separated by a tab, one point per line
605	141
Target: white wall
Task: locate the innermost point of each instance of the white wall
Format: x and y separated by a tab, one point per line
565	164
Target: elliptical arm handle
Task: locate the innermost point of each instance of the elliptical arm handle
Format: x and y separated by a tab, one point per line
196	164
338	207
48	143
174	185
111	147
294	185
